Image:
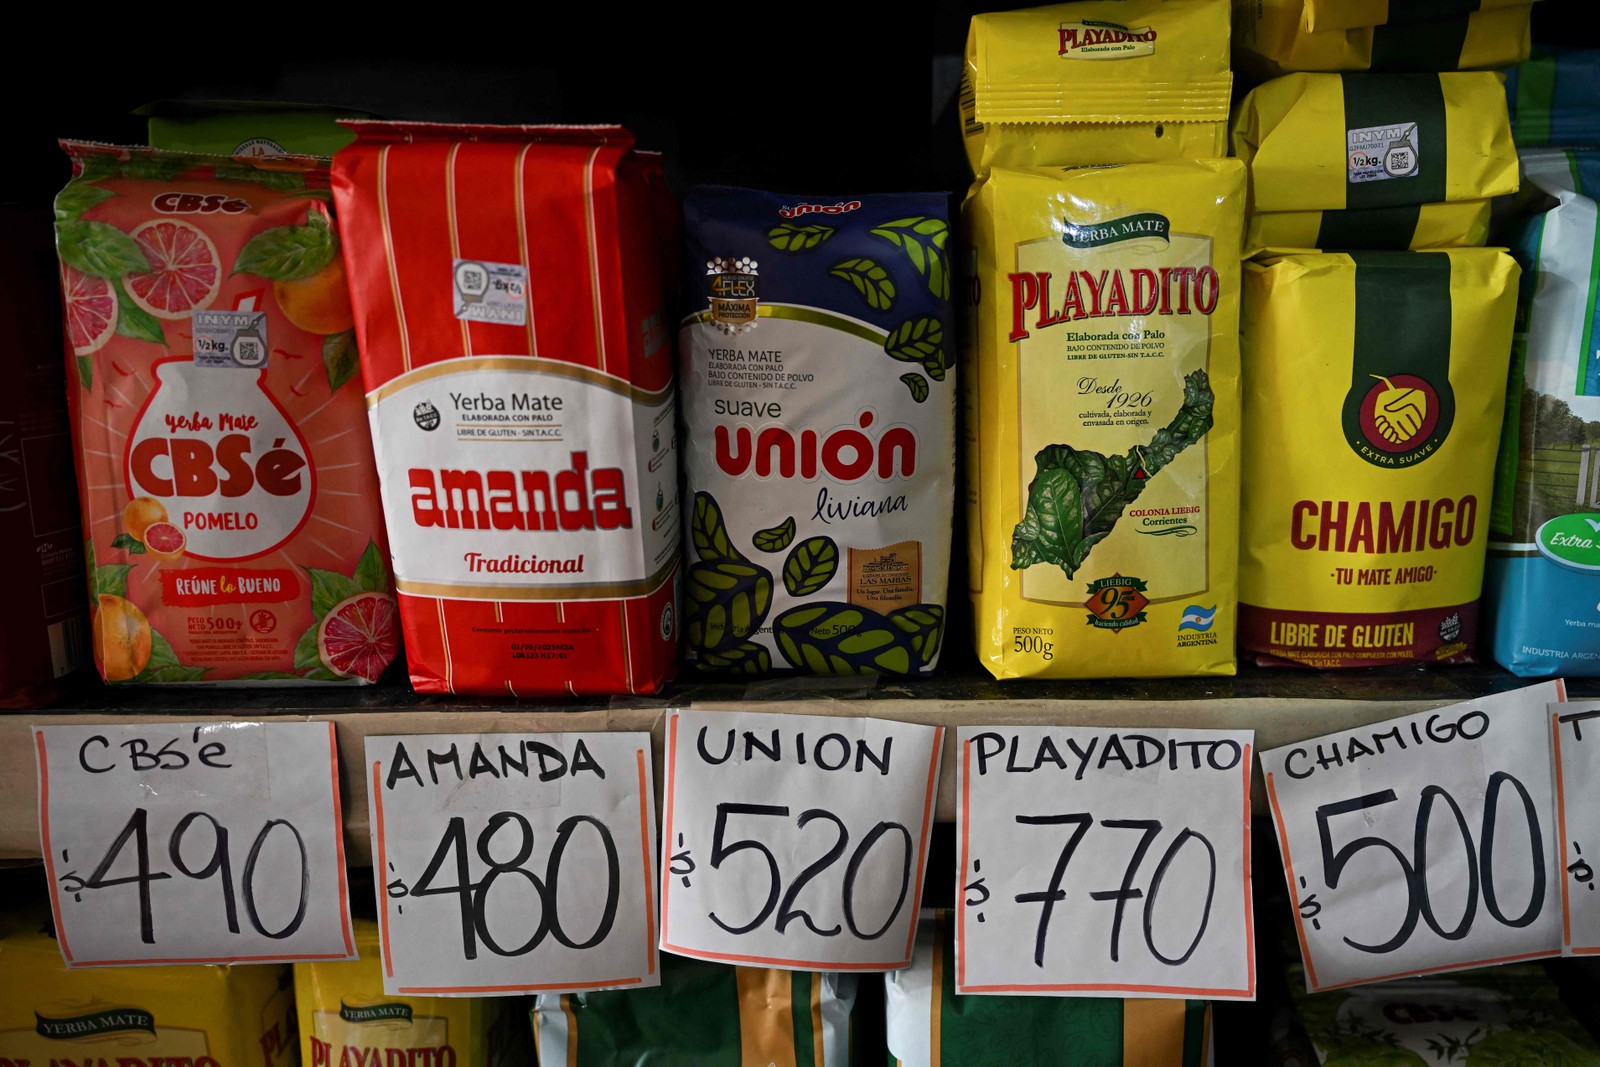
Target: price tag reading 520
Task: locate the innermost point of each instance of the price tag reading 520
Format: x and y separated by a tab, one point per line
193	843
1425	843
795	841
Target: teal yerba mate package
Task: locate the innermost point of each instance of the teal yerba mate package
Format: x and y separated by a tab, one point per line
818	376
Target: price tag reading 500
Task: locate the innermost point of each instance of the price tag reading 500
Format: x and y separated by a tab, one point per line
194	843
796	841
513	863
1424	843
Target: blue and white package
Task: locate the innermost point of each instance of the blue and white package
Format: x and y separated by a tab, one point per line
1542	581
1555	98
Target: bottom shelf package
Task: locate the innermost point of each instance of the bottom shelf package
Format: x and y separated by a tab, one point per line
929	1025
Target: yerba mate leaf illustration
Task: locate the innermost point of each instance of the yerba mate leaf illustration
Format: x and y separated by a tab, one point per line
924	625
919	341
134	321
725	602
710	536
787	237
99	248
1399	411
329	589
743	658
111	578
372	571
776	538
917	384
339	358
830	638
162	168
164	665
289	253
282	180
128	543
307	656
78	197
923	240
870	280
1076	497
810	566
86	371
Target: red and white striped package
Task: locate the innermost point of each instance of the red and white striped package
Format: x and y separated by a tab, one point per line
515	349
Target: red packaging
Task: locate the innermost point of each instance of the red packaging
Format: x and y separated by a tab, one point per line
44	631
514	344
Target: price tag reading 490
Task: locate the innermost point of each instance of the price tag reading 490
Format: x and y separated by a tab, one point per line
796	841
513	863
1104	862
194	842
1422	844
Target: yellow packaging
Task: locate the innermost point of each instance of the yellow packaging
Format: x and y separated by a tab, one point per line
1270	38
191	1016
1377	388
1460	225
1322	15
1102	401
346	1020
1321	142
1100	81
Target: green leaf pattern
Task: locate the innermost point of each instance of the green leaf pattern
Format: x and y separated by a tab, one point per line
923	240
869	279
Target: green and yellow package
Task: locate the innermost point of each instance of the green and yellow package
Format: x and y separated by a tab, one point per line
1409	226
1323	15
1270	38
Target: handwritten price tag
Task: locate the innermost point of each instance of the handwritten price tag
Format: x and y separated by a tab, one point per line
514	863
1575	733
796	841
194	843
1102	862
1425	843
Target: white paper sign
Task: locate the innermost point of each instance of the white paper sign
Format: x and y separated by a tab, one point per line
1426	843
1575	734
194	842
796	841
1104	862
513	863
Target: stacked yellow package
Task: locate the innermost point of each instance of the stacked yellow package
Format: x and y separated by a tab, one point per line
1374	161
346	1020
1272	37
137	1016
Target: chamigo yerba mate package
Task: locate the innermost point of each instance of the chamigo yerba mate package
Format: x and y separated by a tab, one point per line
227	484
518	363
1271	37
1542	579
1098	81
1374	161
1102	393
1377	389
819	396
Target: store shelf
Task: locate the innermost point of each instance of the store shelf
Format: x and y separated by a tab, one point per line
1281	706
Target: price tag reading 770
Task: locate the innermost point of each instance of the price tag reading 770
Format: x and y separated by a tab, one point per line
796	841
1104	862
194	842
1575	732
1426	843
513	863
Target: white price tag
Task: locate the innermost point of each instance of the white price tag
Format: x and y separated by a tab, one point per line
1426	843
513	863
796	841
1575	733
194	842
1104	862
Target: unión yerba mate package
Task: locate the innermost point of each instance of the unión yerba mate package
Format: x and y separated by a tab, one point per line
1102	393
517	358
1377	388
819	396
227	485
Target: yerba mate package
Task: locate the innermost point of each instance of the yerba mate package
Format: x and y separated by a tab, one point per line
346	1019
1409	226
136	1016
819	393
1542	581
229	497
1099	81
1102	393
1321	15
1374	411
1270	38
704	1014
929	1023
1554	98
508	292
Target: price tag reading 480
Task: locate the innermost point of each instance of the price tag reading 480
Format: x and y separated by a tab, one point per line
194	843
1422	844
513	863
1104	862
796	841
